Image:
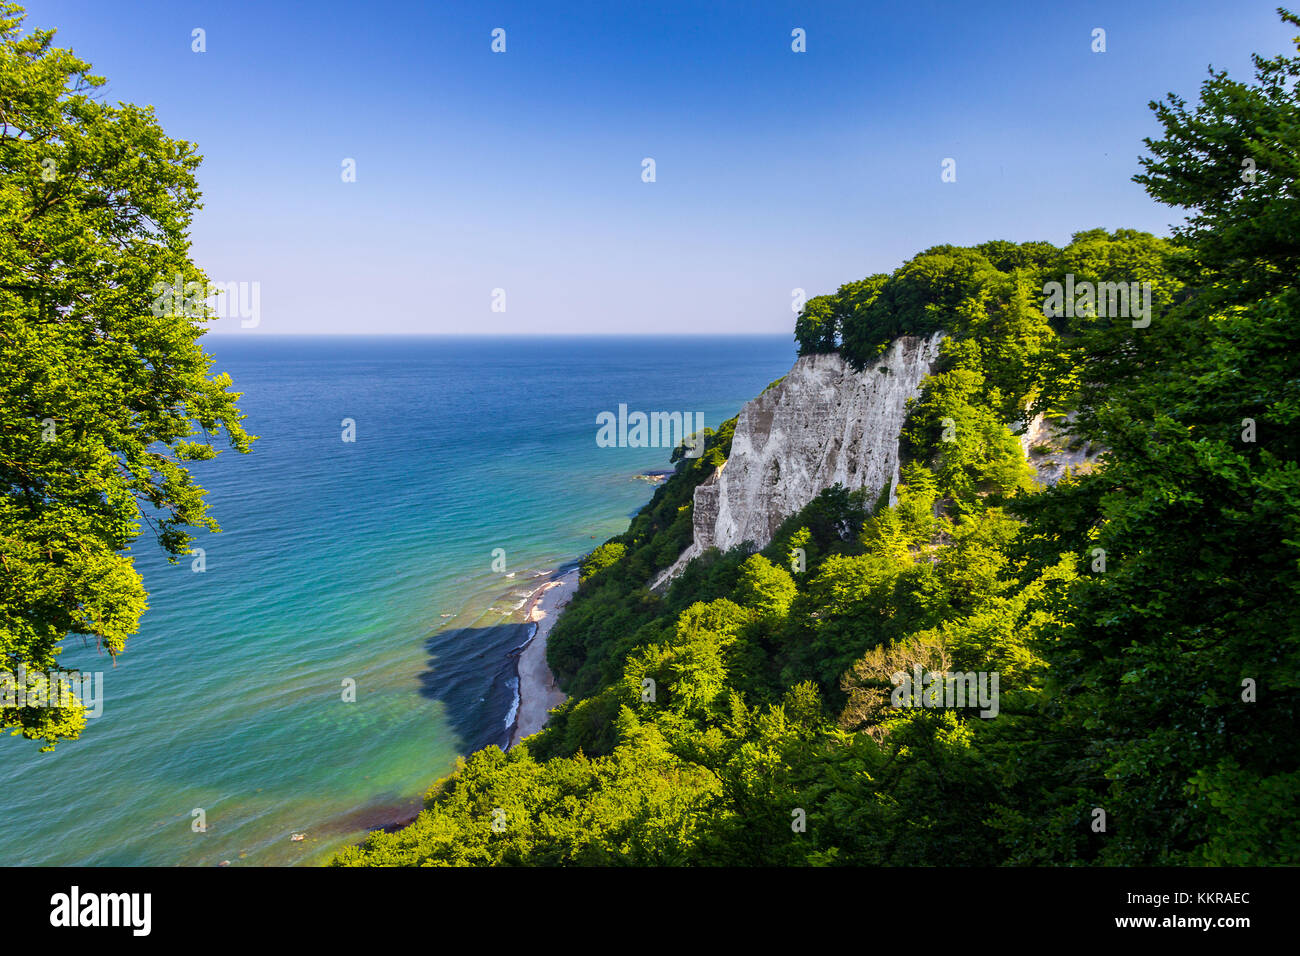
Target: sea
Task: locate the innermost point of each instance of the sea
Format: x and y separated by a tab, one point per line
308	672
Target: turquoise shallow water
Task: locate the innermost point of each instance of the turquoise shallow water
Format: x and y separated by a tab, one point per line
369	561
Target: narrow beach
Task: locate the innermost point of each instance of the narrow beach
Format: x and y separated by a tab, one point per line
538	693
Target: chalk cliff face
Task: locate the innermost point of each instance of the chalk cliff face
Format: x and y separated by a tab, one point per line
823	424
1051	453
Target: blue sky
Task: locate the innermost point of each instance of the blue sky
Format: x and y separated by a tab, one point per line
521	170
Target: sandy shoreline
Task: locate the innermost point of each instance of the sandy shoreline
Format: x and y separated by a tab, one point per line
538	693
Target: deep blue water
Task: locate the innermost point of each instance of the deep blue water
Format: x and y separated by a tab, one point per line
368	561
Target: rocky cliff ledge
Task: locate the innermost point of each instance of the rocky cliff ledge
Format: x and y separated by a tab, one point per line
1053	454
823	424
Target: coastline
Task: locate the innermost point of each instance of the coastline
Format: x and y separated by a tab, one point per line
537	691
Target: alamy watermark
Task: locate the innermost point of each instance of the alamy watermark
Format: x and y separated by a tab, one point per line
76	909
55	689
223	300
942	690
653	430
1111	300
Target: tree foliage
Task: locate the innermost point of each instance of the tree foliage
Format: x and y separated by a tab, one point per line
102	399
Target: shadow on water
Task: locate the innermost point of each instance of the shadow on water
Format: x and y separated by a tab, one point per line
387	812
472	671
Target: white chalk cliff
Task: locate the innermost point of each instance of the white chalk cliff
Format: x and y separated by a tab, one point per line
823	424
1051	452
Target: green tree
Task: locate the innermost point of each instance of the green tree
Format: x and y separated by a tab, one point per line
817	327
606	556
1231	162
102	391
1177	680
766	587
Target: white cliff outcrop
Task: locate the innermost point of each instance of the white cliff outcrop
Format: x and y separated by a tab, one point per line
1052	453
823	424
